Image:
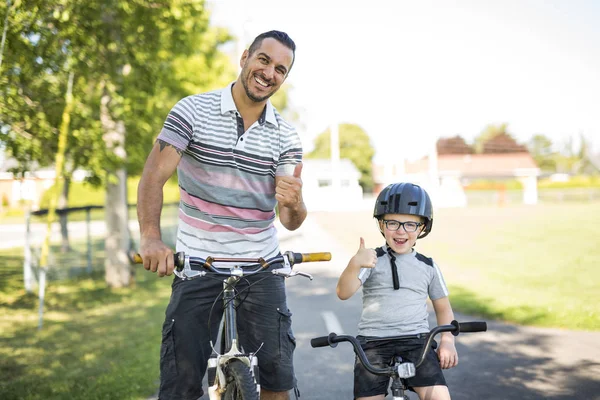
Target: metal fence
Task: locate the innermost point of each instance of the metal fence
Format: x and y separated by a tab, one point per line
77	244
545	196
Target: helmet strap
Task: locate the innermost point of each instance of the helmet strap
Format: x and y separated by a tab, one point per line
394	268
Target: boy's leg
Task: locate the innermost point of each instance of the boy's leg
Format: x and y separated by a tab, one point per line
429	382
437	392
367	385
185	347
264	322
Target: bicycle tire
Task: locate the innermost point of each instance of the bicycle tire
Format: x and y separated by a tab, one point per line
239	383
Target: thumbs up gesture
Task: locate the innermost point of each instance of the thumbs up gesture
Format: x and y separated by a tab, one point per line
288	189
366	258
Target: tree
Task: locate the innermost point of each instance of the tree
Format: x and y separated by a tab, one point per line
131	60
355	145
541	149
496	139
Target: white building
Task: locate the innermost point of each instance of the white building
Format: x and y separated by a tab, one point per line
330	186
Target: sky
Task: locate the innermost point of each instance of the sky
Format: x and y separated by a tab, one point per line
409	72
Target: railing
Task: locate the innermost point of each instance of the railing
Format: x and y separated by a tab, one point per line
77	240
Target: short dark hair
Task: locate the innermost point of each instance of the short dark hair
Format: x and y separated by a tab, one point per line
281	37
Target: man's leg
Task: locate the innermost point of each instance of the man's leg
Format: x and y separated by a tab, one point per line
264	322
185	347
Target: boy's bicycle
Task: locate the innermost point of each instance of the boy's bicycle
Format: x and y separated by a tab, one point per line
400	370
233	373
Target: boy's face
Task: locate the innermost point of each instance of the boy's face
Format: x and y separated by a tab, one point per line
401	240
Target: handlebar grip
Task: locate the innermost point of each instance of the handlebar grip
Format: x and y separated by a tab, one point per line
321	341
311	257
475	326
137	259
178	258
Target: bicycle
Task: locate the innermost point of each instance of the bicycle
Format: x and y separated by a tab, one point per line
233	373
400	370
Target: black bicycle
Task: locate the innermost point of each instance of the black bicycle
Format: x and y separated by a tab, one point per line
233	373
401	369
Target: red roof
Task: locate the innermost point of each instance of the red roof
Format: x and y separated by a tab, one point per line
480	165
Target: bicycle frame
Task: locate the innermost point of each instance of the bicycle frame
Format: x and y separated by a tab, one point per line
230	348
400	370
229	343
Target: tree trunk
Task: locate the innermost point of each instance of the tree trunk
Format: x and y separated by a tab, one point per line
63	202
117	264
118	271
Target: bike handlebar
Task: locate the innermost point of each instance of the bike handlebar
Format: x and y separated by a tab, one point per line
256	264
455	327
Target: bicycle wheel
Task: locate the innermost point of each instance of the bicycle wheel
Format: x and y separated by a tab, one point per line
239	382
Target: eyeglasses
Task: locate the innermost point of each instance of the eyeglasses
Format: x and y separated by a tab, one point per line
409	226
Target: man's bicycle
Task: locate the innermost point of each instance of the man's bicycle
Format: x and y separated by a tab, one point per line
400	370
232	372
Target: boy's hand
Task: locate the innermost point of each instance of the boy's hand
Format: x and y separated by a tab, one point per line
366	258
447	354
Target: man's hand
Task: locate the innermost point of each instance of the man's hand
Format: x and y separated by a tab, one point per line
366	258
288	192
157	256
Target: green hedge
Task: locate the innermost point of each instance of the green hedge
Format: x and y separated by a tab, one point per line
482	184
573	182
83	194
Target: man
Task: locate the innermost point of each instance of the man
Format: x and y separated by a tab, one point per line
237	159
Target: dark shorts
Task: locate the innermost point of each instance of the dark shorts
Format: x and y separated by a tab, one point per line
263	320
380	353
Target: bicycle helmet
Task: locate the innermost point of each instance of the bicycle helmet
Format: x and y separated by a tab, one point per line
405	198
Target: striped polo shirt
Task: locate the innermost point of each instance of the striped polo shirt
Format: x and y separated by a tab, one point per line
227	176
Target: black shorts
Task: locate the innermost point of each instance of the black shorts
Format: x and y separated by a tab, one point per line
263	320
380	353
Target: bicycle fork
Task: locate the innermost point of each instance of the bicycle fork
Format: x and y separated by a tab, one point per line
403	370
229	346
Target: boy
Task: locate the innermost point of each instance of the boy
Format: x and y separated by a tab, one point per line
396	282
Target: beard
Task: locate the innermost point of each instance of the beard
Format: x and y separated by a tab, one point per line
252	96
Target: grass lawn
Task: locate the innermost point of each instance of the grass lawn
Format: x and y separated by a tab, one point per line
532	265
96	342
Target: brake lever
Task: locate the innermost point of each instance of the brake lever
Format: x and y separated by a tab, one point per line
289	273
304	274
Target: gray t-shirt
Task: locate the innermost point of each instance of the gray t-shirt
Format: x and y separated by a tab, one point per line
389	312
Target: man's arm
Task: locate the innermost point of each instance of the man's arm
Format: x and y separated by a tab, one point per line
292	218
160	166
288	193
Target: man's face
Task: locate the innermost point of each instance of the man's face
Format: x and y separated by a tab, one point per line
400	240
265	70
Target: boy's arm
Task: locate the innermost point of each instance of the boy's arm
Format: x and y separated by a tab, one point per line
349	283
444	315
